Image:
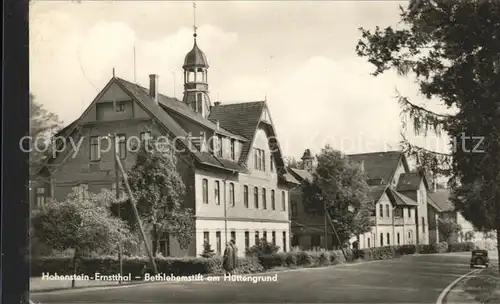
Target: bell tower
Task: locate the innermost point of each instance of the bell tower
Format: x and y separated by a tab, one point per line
195	68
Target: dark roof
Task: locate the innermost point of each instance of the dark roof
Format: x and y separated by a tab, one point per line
401	199
301	174
409	181
379	164
195	58
441	198
376	182
181	108
433	204
307	154
376	192
241	119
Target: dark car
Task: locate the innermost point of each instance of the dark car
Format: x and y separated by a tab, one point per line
479	257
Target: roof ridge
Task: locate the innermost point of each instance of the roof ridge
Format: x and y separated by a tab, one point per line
366	153
239	103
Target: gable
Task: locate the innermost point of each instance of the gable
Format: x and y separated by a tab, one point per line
265	116
379	165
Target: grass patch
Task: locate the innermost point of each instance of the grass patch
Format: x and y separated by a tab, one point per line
485	286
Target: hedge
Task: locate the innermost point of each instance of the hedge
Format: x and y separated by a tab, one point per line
137	266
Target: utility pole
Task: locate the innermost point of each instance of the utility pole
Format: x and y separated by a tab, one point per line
336	235
117	190
326	228
136	213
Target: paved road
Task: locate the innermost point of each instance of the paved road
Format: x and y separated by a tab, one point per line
410	279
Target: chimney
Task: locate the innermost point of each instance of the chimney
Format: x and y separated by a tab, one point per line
217	103
153	87
362	164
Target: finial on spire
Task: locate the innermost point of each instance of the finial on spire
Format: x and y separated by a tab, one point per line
194	21
113	72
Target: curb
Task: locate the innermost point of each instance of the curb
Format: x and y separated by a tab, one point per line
442	297
133	284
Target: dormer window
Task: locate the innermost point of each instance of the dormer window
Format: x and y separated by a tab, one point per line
219	146
120	107
233	154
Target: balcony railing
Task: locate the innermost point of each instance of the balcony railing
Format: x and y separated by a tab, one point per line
398	220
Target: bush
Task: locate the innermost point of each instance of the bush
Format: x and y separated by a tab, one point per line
208	252
262	248
460	247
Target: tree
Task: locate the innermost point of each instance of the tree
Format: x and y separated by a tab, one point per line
159	190
451	48
208	252
340	185
293	163
83	222
448	228
43	124
263	247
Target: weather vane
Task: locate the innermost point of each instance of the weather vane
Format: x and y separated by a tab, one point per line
194	19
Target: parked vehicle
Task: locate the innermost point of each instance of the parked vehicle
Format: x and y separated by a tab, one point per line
479	257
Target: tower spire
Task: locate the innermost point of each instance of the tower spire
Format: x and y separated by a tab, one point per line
194	21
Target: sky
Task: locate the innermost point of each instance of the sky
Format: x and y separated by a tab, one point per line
298	55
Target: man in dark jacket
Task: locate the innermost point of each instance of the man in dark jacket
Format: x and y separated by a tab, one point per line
228	260
235	254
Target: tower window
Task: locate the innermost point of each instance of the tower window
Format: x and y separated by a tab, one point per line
199	102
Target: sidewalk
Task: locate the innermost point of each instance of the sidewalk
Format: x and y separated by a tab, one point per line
483	287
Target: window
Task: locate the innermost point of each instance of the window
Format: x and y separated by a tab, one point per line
247	240
145	137
315	240
165	245
120	107
381	239
271	162
219	146
295	240
284	241
256	197
398	239
257	238
206	237
293	206
264	235
387	212
84	194
205	191
245	196
423	224
233	236
199	101
264	201
283	201
218	240
259	159
388	239
410	236
95	151
368	243
122	146
40	197
231	194
217	193
381	213
273	200
273	237
233	155
409	212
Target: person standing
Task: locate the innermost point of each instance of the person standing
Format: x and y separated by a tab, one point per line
228	260
235	254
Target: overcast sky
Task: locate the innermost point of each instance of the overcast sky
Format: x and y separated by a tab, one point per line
298	54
